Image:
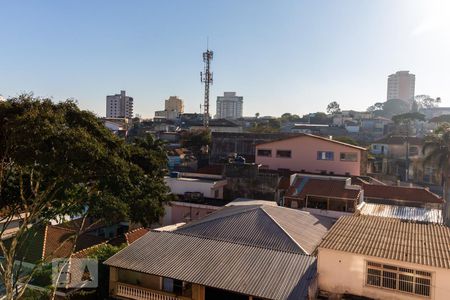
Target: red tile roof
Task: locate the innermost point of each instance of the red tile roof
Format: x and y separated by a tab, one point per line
135	234
414	194
59	242
326	187
284	183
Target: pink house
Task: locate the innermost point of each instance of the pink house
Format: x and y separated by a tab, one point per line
313	154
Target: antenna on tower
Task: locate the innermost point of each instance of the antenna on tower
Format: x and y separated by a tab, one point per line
207	78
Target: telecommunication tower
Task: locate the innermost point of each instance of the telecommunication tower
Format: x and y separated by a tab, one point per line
207	78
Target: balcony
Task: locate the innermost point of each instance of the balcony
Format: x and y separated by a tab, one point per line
139	293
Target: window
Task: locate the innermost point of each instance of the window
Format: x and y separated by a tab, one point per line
325	155
177	287
399	278
316	202
413	151
349	156
264	152
284	153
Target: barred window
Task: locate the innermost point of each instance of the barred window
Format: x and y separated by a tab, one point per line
398	278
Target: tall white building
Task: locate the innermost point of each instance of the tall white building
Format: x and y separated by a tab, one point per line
229	106
119	106
401	86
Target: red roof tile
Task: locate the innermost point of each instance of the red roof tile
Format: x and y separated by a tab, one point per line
284	183
136	234
325	187
388	192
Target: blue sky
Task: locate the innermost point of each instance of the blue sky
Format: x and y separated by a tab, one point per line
282	56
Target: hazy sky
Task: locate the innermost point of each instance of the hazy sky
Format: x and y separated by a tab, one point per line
282	56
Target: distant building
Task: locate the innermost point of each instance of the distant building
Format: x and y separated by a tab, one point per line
365	257
434	112
224	144
401	86
229	106
331	196
119	106
174	104
219	125
314	154
173	107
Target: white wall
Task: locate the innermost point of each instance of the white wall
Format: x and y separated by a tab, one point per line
179	186
341	272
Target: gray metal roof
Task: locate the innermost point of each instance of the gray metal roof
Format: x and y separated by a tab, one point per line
256	271
390	238
416	214
264	226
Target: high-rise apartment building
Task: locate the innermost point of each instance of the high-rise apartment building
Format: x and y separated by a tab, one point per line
119	106
229	106
401	86
174	104
172	109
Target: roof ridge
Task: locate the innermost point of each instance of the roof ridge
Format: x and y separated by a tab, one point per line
132	231
314	136
44	242
88	248
231	242
243	209
284	230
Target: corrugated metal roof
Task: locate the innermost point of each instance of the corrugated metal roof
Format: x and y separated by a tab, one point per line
416	214
264	226
418	243
245	269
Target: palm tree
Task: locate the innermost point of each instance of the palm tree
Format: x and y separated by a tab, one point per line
437	152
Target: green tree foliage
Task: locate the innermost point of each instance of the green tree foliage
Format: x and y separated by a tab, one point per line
425	101
195	140
408	118
105	251
394	107
333	108
57	160
376	107
436	150
271	126
318	118
346	139
288	117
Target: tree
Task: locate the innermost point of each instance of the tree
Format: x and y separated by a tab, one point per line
272	126
406	120
318	118
425	101
436	150
333	108
377	106
394	107
346	139
196	140
57	160
257	115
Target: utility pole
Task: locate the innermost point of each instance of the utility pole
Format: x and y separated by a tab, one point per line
207	78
